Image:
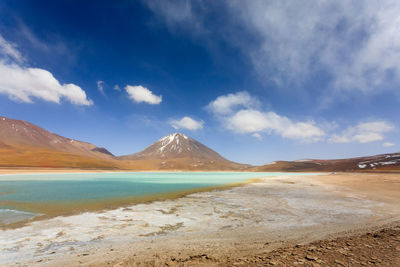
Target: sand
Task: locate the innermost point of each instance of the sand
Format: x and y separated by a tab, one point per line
212	228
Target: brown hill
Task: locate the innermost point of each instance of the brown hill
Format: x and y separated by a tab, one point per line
18	133
178	151
383	162
25	144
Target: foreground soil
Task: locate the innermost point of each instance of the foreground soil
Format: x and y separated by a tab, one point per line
377	248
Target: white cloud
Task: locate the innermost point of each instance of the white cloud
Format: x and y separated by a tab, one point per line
100	87
257	135
238	113
140	94
226	103
376	127
335	138
117	88
254	121
10	51
187	123
178	13
367	137
21	84
364	132
355	43
388	144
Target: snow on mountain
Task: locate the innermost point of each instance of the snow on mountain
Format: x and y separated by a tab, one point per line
176	145
379	161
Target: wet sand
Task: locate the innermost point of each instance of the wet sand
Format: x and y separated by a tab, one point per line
235	223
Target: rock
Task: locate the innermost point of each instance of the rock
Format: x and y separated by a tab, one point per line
341	263
311	258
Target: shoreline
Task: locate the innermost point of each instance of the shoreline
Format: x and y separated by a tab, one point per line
53	210
40	170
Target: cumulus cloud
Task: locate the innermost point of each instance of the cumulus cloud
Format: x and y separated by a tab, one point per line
388	144
22	83
236	114
226	103
100	87
364	132
117	88
140	94
253	121
187	123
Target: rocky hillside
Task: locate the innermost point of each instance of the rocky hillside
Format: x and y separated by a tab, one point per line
383	162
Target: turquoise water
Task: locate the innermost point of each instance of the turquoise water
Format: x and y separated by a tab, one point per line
46	189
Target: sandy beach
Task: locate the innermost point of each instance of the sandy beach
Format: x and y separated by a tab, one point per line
223	225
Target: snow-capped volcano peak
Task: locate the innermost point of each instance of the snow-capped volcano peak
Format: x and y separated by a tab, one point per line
174	140
171	137
177	145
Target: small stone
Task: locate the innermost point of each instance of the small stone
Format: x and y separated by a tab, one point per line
311	258
340	262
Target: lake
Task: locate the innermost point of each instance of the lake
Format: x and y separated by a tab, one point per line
26	196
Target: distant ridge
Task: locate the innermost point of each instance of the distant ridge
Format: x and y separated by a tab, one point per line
382	162
23	144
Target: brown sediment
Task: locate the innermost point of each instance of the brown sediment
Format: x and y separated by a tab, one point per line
50	210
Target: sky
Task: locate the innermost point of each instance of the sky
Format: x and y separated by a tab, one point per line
257	81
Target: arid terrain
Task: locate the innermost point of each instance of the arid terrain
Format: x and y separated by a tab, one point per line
286	220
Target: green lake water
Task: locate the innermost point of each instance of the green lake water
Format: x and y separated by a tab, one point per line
20	194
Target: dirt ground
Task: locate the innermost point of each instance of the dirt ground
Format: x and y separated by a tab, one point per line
375	248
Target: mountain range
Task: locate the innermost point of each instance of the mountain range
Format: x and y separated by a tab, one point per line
23	144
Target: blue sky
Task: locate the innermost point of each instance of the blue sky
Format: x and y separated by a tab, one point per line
255	80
